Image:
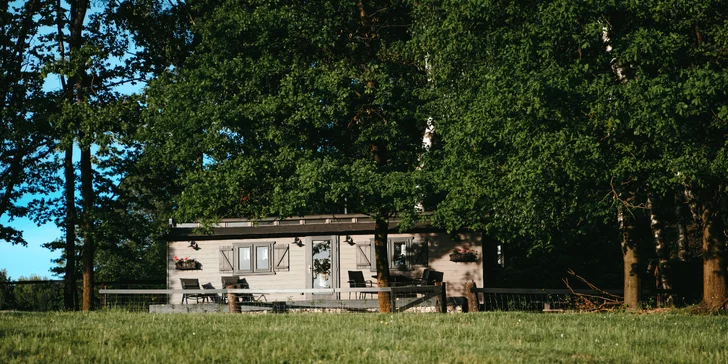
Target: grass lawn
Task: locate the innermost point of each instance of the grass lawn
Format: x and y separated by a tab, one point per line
355	338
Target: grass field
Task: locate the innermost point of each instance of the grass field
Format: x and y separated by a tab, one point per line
362	338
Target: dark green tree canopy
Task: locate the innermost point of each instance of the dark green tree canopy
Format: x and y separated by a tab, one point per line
285	106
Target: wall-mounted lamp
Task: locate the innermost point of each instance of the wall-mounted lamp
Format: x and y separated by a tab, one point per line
297	241
193	245
349	240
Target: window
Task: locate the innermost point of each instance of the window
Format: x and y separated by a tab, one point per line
404	254
247	258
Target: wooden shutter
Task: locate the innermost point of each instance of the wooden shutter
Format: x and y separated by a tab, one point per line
373	256
363	252
282	257
419	253
226	259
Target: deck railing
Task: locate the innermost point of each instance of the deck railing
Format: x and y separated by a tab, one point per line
420	298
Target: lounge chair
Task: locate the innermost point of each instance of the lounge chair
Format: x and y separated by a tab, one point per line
435	276
214	297
191	283
356	280
422	280
241	283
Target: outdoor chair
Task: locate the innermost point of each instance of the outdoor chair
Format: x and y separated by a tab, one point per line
229	281
214	297
241	283
356	280
191	283
422	280
435	276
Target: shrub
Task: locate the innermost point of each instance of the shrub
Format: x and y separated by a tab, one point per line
6	293
46	296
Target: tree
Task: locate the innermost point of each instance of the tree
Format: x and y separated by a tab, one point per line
519	146
293	108
676	99
93	58
26	139
547	111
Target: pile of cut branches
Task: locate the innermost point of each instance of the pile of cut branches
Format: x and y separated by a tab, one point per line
600	301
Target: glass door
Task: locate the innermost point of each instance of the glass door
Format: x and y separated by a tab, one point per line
322	267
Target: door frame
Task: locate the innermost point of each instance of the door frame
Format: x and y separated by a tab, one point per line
335	269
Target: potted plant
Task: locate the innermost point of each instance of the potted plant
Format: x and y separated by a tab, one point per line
185	263
464	255
321	271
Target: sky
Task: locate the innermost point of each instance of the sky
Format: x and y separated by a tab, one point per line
20	261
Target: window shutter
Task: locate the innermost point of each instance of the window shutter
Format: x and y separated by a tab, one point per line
226	259
419	253
282	258
363	252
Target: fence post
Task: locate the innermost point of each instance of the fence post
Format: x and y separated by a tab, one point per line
233	304
472	297
103	298
393	299
442	304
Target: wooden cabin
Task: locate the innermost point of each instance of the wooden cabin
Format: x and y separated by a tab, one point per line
316	252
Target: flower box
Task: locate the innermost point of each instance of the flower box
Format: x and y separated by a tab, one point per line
185	264
464	256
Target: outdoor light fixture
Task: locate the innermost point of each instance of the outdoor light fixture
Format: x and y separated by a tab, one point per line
349	240
297	241
193	245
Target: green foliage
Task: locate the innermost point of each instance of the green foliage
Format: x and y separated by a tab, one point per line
6	294
38	296
551	114
285	108
519	154
26	139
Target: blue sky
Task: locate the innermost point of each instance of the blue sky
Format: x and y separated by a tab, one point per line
33	259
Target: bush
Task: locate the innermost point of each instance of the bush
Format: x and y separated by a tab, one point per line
6	293
46	296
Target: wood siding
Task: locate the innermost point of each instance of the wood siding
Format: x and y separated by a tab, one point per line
439	247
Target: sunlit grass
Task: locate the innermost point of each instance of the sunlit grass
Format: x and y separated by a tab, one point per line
355	338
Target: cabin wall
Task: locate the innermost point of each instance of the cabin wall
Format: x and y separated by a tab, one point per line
440	245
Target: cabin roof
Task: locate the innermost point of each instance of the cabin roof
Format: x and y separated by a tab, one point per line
311	225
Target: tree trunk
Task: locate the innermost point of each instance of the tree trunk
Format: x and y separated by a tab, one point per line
88	236
69	281
75	42
382	262
631	260
662	249
682	230
379	153
714	264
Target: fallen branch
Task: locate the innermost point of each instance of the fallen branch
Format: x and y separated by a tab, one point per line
591	302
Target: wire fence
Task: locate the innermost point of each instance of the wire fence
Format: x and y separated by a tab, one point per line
47	295
152	296
341	300
534	300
